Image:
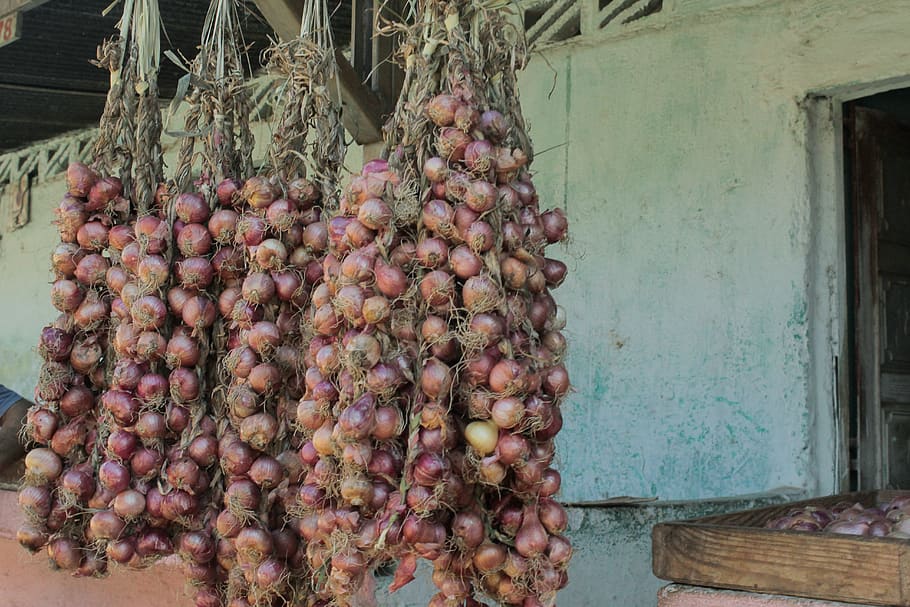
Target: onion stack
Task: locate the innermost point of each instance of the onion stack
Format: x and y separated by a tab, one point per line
59	482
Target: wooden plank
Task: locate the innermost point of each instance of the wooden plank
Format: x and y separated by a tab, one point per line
894	257
812	565
736	551
361	110
895	388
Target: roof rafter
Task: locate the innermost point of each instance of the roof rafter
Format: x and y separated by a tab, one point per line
361	109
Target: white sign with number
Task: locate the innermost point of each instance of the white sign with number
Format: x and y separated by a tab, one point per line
9	28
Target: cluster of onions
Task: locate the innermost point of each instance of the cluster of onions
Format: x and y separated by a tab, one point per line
887	519
59	484
359	373
280	239
492	372
203	265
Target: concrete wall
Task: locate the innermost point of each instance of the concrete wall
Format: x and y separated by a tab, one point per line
704	295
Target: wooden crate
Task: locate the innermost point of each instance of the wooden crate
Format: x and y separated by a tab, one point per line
736	551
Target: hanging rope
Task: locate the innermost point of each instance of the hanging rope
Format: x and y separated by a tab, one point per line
128	144
219	102
309	138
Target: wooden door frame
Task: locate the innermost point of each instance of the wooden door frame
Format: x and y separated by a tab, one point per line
876	381
828	289
866	330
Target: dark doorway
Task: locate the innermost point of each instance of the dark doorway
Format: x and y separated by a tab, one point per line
877	155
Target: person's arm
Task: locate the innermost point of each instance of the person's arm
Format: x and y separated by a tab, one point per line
11	421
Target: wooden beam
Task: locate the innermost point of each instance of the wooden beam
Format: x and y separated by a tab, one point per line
10	6
361	111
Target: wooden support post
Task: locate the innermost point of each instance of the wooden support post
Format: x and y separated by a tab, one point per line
361	109
9	6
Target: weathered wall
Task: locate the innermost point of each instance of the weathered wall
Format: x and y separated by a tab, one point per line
685	176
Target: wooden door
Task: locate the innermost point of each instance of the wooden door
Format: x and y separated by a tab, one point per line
881	203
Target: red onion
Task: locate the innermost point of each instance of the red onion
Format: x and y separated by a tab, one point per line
106	525
35	501
493	125
92	236
194	239
151	346
258	288
129	504
148	313
153	542
103	192
375	214
151	233
254	544
116	278
236	458
203	450
152	387
303	191
122	405
555	225
195	273
64	259
438	216
145	463
199	313
182	351
64	553
120	236
191	207
71	216
436	378
121	444
258	430
287	286
66	295
177	418
258	192
479	236
77	483
183	473
130	257
151	425
556	381
227	191
266	472
264	337
184	384
316	236
466	117
42	424
55	344
265	378
79	179
271	254
228	263
451	143
441	109
92	269
91	312
114	476
121	551
31	538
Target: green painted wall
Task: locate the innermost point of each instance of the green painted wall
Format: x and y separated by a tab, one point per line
684	169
